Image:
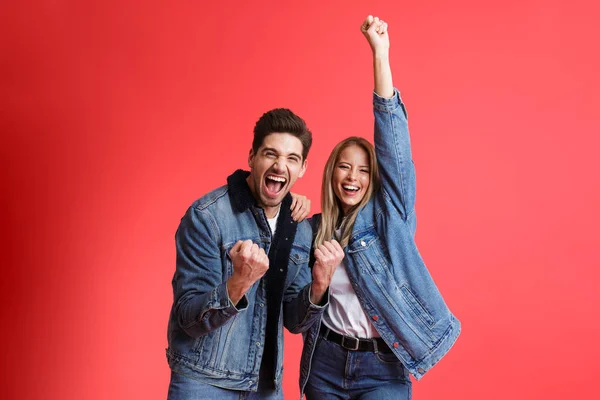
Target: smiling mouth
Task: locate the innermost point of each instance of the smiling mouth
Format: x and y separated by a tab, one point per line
350	189
274	185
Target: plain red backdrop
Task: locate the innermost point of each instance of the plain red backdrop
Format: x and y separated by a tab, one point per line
116	115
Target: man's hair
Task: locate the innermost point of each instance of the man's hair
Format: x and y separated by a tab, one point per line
282	120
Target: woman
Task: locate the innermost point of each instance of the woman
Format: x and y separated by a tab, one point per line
385	318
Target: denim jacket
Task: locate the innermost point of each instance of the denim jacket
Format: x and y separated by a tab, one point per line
383	263
211	339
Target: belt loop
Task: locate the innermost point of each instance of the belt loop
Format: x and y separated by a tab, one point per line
375	348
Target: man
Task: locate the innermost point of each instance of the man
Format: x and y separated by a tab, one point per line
242	272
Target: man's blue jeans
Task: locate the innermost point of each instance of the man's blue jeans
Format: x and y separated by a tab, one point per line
184	388
337	373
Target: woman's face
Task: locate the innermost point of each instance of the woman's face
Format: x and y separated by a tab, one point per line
351	176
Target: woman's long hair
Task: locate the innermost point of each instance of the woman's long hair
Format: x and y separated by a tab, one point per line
332	215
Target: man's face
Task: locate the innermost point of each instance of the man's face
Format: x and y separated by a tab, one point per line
274	169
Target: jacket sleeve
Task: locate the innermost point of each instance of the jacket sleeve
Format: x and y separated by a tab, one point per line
202	302
394	156
299	313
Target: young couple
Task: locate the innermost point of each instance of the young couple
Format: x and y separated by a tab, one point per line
351	280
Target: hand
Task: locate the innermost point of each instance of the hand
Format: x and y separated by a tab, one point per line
300	207
250	263
327	257
375	30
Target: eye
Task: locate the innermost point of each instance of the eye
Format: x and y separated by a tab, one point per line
365	171
270	154
294	159
343	166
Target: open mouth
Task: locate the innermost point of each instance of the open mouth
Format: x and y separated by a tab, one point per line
274	185
350	190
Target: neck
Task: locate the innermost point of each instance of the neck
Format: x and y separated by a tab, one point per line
271	212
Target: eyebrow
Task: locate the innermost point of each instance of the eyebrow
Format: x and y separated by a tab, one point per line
265	149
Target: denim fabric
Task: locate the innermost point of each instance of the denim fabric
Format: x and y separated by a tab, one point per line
338	373
383	263
185	388
210	339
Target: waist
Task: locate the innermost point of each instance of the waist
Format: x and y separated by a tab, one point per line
355	344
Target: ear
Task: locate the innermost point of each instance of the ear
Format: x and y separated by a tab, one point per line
303	169
250	158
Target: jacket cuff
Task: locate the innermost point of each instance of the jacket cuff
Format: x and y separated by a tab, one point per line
323	302
385	104
223	302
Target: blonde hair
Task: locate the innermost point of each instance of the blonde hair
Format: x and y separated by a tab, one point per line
332	215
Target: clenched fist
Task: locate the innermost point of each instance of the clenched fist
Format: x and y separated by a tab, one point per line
327	257
375	30
250	263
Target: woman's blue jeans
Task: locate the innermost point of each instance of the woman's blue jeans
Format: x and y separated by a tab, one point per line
337	373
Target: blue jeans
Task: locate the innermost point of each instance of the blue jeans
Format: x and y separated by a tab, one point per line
185	388
337	373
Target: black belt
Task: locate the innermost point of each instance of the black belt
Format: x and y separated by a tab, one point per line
352	343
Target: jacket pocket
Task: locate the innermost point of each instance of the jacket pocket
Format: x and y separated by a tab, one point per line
369	251
299	255
416	306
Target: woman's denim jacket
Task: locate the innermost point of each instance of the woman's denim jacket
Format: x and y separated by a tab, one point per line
210	339
385	268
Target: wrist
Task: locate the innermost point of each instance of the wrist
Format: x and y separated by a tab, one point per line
317	291
235	290
382	54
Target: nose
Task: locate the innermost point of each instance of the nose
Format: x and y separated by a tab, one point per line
352	174
279	164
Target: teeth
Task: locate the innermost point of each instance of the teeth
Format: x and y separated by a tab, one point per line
276	178
350	187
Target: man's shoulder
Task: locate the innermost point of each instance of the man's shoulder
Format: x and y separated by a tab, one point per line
212	200
304	235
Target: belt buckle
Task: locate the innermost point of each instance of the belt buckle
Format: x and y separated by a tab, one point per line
356	342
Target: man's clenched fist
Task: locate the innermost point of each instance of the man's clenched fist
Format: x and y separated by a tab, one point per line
250	263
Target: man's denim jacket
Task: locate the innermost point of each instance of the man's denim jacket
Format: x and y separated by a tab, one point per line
210	339
385	268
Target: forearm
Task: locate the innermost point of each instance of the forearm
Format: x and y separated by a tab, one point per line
317	293
382	72
299	313
237	288
199	314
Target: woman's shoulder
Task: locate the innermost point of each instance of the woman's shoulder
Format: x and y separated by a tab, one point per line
314	222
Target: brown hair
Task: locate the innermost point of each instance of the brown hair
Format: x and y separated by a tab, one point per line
282	120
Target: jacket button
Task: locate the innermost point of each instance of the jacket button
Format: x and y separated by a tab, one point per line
420	370
375	317
395	345
362	243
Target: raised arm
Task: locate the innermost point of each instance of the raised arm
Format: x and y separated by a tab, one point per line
375	30
392	140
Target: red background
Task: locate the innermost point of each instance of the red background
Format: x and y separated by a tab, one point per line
116	115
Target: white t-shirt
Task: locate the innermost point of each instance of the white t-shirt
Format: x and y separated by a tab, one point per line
273	222
344	314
